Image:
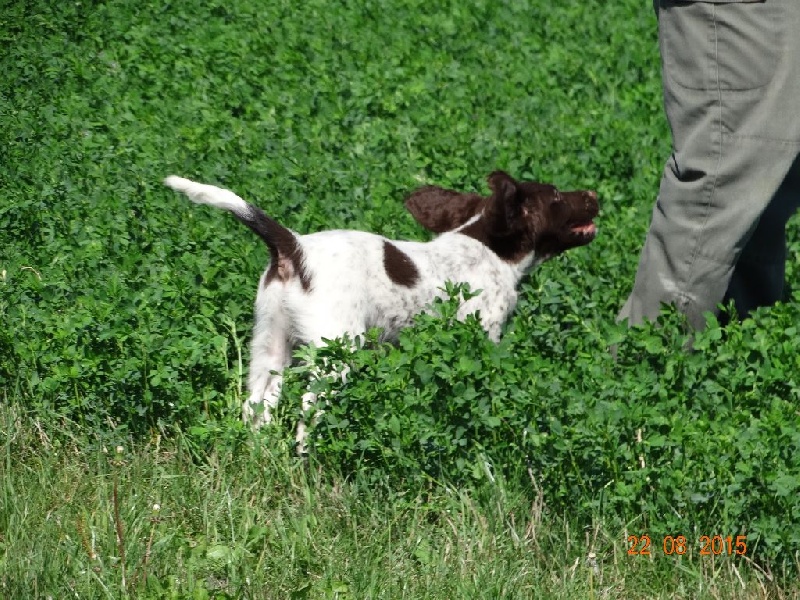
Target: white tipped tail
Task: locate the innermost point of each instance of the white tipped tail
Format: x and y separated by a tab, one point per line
208	194
282	242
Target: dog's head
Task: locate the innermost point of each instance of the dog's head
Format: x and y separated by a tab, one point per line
520	218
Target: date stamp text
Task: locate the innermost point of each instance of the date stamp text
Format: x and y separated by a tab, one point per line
716	545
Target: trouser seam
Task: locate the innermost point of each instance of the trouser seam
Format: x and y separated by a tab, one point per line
684	297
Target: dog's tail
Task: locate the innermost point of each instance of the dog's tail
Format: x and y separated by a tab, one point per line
285	252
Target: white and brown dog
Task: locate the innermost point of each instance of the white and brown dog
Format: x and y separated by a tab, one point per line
327	284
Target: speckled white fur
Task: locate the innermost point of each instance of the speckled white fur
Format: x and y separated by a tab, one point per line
351	292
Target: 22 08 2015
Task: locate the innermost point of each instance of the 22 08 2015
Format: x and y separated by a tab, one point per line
709	545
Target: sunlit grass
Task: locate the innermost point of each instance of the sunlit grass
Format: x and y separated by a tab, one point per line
151	520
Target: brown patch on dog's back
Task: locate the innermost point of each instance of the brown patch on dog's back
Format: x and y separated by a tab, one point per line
399	267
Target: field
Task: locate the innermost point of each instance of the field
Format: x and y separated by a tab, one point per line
447	466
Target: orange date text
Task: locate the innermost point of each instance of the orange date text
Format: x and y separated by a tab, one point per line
716	545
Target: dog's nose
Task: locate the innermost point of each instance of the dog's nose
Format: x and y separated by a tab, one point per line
590	201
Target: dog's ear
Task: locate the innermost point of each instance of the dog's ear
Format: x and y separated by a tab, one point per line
440	210
503	211
502	184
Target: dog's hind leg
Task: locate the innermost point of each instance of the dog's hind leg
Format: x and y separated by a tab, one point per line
331	372
270	354
310	401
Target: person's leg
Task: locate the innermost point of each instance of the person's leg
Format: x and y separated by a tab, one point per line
758	278
731	84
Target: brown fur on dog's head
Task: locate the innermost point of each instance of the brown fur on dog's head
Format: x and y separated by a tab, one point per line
519	218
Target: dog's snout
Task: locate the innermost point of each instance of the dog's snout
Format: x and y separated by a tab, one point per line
590	202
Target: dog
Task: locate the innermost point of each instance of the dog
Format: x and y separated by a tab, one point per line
331	283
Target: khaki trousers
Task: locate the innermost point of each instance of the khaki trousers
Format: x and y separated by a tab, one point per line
731	79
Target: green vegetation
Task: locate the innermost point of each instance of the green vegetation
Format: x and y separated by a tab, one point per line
446	467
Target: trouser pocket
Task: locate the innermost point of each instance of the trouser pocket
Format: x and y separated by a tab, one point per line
721	45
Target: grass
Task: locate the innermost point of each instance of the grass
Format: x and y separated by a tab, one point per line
150	520
449	467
